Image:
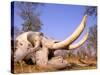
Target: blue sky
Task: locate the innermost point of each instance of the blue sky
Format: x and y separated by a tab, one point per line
59	20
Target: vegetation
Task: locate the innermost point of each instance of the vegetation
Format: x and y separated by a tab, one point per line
91	10
75	64
92	39
83	58
29	13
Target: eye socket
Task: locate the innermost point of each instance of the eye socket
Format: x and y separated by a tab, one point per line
21	44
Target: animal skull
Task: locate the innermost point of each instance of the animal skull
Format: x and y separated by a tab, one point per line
26	43
30	42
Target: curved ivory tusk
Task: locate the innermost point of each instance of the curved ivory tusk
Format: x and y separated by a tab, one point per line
73	37
73	46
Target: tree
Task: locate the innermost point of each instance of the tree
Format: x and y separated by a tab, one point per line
29	13
92	39
91	10
16	31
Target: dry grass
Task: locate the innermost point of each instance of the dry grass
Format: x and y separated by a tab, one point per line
75	62
25	68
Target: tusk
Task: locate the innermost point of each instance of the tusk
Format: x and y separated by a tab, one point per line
73	46
73	37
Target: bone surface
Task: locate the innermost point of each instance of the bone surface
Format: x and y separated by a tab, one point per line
36	46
